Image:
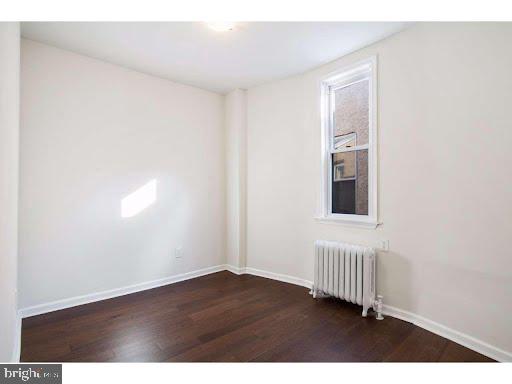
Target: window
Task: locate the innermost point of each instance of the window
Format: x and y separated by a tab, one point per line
349	187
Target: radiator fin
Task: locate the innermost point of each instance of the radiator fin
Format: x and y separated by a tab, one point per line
345	271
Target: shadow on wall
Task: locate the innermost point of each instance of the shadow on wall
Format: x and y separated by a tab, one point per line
394	280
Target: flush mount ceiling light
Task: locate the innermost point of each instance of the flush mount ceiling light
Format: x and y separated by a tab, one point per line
221	26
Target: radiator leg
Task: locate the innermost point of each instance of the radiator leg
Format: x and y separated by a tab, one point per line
365	311
379	308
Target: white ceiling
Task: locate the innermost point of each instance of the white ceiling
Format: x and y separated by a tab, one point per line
191	53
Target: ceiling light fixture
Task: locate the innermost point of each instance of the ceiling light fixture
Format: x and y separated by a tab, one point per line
221	26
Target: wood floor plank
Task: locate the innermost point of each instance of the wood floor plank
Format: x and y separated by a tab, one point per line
457	353
225	317
421	346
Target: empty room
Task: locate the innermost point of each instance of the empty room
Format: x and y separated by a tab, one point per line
255	191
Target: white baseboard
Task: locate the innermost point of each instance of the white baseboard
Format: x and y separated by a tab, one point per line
17	340
235	270
450	334
439	329
269	275
278	276
90	298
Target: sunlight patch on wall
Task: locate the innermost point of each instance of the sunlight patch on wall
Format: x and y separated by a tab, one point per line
139	200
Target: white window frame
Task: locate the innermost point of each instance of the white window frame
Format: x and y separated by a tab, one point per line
360	71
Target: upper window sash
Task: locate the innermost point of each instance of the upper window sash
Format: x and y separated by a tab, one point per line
343	81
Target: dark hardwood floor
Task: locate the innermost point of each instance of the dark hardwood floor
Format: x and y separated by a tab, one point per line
225	317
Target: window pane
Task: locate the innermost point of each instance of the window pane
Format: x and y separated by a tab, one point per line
345	141
351	114
350	182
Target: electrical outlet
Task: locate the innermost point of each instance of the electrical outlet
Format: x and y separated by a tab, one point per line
178	252
384	245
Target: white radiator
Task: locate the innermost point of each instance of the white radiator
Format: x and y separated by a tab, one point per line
345	271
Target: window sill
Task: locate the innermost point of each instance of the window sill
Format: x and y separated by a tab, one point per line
347	222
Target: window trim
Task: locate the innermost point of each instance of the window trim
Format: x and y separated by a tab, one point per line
359	71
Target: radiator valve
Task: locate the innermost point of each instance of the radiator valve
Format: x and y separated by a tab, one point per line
379	307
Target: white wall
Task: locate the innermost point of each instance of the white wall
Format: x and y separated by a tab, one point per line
445	142
91	133
9	132
236	146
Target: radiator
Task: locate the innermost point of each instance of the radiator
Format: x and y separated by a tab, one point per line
345	271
